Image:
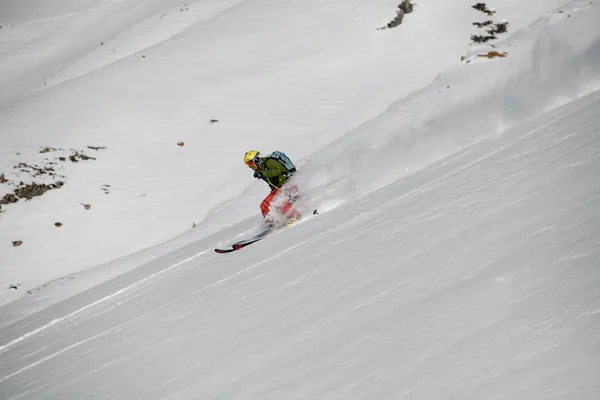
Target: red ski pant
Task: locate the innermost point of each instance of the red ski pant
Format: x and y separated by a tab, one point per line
279	200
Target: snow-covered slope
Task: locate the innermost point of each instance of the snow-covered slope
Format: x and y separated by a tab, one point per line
138	77
457	257
475	278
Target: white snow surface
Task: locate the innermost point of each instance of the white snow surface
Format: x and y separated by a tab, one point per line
140	76
456	253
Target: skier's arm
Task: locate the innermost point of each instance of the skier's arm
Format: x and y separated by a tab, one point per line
282	178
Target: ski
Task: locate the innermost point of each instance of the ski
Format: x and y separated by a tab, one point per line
240	245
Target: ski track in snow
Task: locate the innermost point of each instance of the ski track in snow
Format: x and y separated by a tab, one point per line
137	286
126	289
53	355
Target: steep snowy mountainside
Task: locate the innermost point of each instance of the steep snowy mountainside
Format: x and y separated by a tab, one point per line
551	62
46	43
35	10
139	78
474	278
456	258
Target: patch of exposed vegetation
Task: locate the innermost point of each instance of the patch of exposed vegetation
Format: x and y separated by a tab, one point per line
492	29
48	169
483	8
482	38
406	7
9	198
497	29
29	191
489	54
75	157
35	170
493	54
483	24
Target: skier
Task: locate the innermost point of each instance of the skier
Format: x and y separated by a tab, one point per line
275	169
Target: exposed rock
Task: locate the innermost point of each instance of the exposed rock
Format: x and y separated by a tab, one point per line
493	54
405	7
482	38
75	157
498	28
32	190
9	198
483	8
483	24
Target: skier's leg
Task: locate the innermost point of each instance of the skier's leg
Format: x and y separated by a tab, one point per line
283	204
290	211
265	209
265	206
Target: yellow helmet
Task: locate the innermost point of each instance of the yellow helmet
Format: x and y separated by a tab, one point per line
250	156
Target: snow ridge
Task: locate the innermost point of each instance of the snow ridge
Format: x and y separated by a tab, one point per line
460	108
